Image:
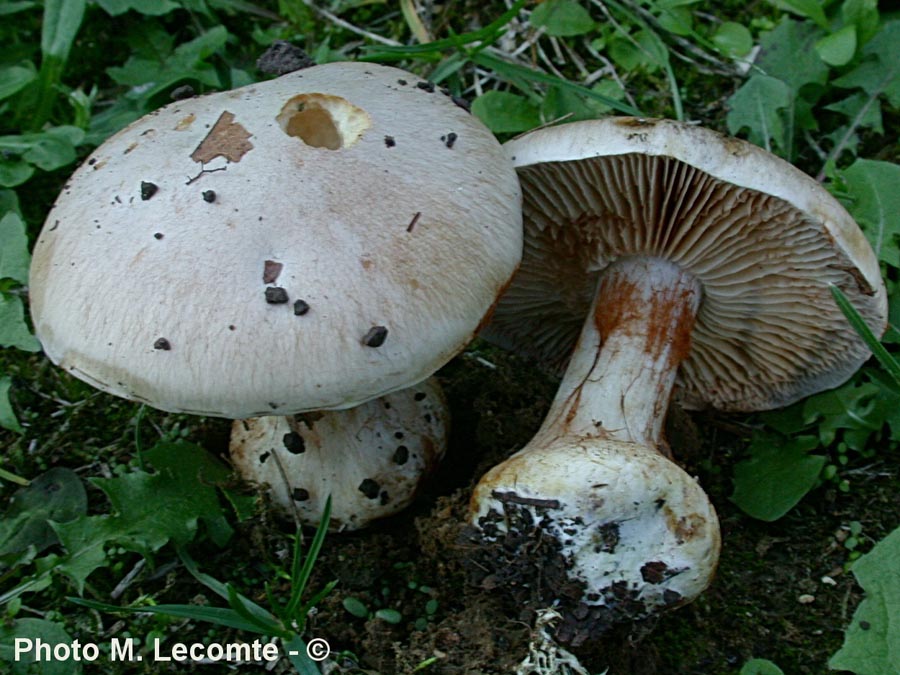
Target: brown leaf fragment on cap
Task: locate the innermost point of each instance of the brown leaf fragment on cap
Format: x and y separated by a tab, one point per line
271	270
226	139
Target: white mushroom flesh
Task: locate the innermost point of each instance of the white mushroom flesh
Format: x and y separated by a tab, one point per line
371	459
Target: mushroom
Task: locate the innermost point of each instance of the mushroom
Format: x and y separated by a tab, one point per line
264	251
687	261
371	458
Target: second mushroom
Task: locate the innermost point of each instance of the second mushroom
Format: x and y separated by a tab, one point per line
689	263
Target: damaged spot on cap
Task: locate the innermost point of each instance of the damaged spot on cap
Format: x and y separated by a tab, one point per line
226	139
185	122
271	270
148	190
370	488
276	295
375	337
162	344
323	121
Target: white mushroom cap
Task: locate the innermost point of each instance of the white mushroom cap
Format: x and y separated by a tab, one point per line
304	243
371	459
763	239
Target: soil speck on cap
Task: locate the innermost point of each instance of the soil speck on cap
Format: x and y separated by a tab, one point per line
370	488
401	82
449	139
163	344
462	103
276	295
147	190
401	455
294	443
375	337
271	270
263	457
389	141
158	235
300	495
426	86
301	307
209	196
182	92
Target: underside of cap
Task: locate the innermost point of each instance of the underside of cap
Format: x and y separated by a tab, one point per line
768	331
304	243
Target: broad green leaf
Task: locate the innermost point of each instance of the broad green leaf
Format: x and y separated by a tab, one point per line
861	110
14	256
677	20
503	112
16	78
811	9
760	667
875	204
859	409
57	495
149	510
733	39
872	640
561	102
562	18
147	7
14	172
48	632
62	19
7	414
879	72
13	330
642	50
838	48
757	107
47	150
778	474
864	15
788	54
187	62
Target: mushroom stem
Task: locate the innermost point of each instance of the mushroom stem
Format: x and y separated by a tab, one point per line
621	374
594	490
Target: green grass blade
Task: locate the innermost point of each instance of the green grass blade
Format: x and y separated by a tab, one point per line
299	658
513	71
243	606
221	616
300	573
13	478
887	361
221	589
